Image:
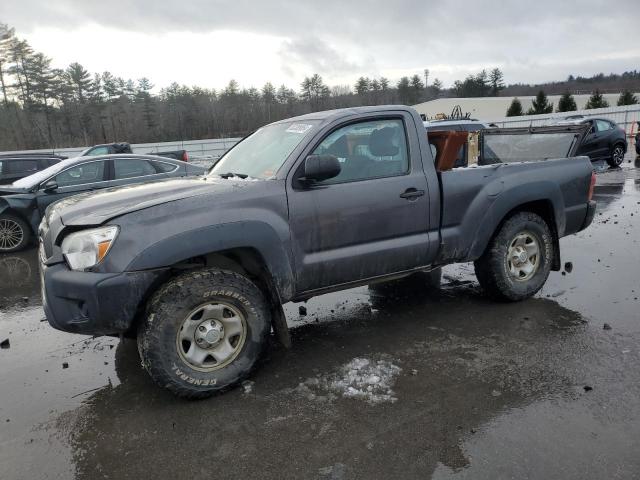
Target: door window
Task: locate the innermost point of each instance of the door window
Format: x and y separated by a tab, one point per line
98	151
23	166
603	125
367	150
81	174
132	167
162	167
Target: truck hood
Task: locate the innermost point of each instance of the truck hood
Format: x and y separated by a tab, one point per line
95	208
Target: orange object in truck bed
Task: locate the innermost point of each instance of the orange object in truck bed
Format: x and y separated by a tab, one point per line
447	143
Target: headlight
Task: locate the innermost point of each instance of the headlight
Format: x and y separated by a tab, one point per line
87	248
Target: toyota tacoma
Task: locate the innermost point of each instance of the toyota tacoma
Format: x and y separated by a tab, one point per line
198	269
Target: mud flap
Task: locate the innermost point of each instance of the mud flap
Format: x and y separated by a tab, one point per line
556	264
279	324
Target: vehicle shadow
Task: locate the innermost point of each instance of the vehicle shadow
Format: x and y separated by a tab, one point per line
464	360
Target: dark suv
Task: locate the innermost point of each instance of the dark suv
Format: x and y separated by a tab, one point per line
13	168
604	141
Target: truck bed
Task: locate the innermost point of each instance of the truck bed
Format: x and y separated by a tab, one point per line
473	199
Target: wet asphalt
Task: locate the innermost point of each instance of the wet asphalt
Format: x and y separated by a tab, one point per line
537	389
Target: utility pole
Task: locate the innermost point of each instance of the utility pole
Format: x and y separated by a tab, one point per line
426	78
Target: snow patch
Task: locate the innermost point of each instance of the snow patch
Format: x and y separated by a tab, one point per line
361	378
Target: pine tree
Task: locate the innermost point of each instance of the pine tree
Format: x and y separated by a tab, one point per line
231	89
496	80
80	80
567	103
627	98
314	91
482	84
110	86
362	86
540	105
404	91
596	100
375	89
6	36
21	56
417	89
436	86
515	109
285	95
42	83
269	98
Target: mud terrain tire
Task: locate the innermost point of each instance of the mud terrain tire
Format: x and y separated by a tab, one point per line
170	318
507	277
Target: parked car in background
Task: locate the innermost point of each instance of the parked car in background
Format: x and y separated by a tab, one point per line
123	147
32	154
23	203
605	140
15	167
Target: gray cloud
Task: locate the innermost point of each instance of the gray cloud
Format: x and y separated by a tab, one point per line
532	41
313	54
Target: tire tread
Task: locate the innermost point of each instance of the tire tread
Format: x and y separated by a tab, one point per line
179	287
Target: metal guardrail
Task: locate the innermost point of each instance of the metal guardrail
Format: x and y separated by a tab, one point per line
209	149
627	117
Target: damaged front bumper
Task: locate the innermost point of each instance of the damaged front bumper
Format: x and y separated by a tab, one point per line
94	303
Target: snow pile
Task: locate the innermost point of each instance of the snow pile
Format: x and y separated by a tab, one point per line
361	378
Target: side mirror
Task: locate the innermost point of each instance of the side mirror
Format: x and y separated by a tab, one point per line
50	186
320	167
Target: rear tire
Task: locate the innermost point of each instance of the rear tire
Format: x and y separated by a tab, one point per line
517	261
204	332
15	234
617	155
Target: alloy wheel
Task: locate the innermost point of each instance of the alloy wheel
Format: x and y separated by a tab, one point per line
11	234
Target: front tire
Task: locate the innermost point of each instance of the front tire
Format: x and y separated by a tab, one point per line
617	156
15	234
204	332
517	261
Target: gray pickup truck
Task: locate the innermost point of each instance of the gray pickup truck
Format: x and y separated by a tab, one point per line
198	269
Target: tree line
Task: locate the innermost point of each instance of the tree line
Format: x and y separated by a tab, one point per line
566	103
46	107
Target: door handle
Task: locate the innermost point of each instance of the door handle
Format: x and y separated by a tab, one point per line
411	194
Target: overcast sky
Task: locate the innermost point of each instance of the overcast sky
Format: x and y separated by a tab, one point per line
208	42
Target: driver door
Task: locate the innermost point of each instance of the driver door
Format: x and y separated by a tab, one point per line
370	220
592	143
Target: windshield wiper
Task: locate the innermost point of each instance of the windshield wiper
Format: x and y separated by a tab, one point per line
231	174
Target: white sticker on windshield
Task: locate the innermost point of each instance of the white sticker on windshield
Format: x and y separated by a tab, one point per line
298	128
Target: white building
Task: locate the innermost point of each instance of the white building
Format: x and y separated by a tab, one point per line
494	108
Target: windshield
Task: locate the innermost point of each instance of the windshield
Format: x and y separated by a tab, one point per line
526	147
261	154
38	177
